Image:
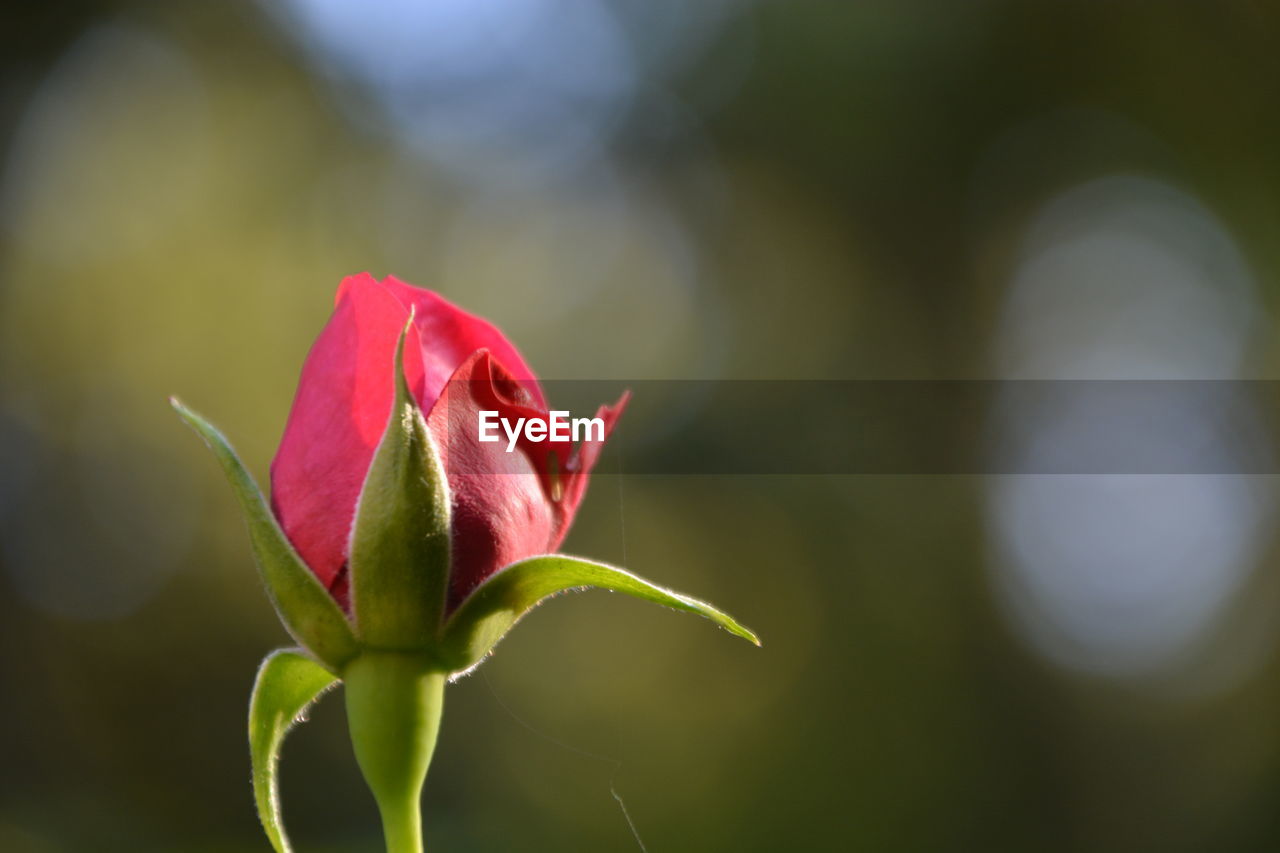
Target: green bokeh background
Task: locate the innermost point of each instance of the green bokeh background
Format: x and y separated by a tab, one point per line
840	194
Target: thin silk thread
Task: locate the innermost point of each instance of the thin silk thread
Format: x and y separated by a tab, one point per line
615	763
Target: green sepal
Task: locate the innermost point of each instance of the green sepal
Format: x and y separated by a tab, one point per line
497	604
400	538
288	681
305	607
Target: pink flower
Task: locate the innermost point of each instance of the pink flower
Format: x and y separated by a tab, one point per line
505	506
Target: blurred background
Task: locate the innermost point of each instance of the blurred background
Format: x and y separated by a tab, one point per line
653	191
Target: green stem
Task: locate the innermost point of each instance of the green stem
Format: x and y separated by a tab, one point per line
394	701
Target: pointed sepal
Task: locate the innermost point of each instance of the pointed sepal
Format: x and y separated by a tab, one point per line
399	563
306	608
497	604
288	681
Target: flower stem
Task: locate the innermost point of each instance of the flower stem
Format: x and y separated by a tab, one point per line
394	701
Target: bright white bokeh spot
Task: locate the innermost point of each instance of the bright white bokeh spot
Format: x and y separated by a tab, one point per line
1118	574
1127	278
1124	574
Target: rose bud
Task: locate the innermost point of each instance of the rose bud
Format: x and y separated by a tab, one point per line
505	507
399	548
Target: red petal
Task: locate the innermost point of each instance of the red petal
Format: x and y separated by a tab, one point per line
339	414
450	335
501	510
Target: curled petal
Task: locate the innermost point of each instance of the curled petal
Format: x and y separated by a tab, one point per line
501	510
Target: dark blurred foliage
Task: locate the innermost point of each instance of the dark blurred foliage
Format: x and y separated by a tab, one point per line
869	190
